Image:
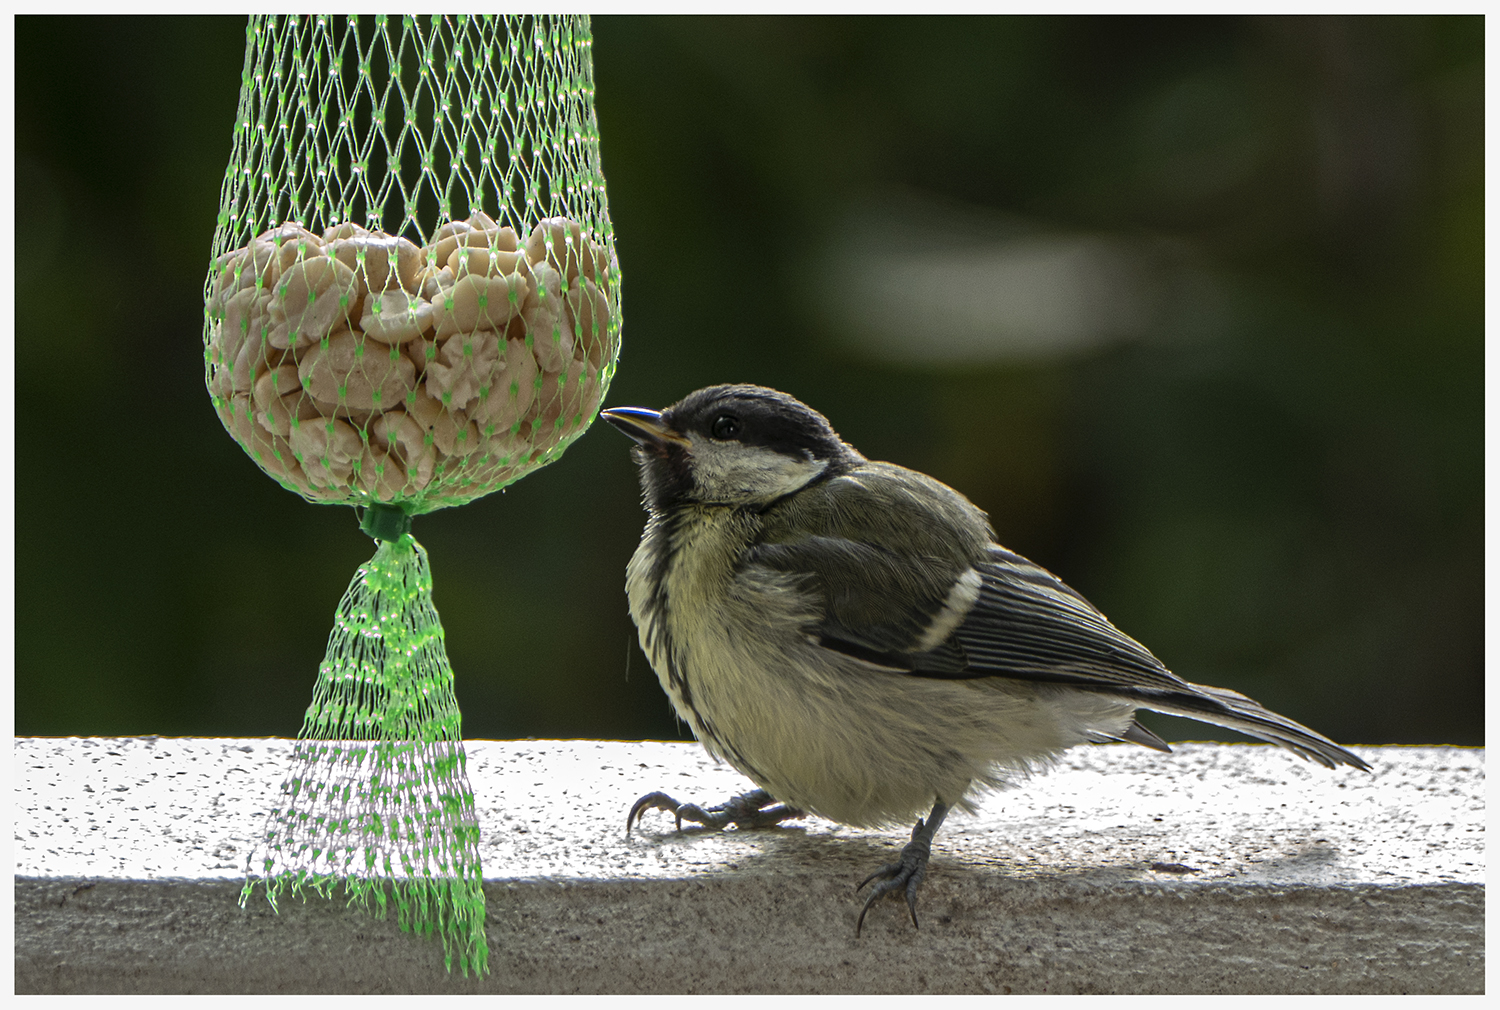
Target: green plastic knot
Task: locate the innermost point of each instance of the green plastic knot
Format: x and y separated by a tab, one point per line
385	522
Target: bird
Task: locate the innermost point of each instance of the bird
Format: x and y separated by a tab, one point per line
850	636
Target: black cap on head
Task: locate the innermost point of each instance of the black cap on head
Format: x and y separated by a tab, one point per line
758	416
720	445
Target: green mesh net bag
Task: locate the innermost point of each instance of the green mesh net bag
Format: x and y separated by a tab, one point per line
413	300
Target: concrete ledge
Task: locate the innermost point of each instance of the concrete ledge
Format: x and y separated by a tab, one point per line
1220	869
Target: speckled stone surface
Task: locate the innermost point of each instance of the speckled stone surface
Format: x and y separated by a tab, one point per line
1217	869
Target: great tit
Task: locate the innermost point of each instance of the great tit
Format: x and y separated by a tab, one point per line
849	635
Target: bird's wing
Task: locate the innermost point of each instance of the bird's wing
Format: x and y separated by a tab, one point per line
909	579
905	573
1025	623
1028	625
857	615
1002	616
885	555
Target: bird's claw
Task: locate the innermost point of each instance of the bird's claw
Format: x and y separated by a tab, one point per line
652	801
906	873
755	809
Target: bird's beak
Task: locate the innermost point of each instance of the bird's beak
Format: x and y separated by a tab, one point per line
642	424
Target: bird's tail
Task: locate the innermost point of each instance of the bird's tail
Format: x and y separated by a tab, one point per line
1219	707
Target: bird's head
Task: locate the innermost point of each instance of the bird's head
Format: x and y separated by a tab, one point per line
737	445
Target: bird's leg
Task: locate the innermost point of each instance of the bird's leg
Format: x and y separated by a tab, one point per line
907	872
755	809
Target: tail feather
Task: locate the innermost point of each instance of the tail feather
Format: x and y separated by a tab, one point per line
1221	707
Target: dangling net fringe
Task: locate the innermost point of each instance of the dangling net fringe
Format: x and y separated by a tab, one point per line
378	800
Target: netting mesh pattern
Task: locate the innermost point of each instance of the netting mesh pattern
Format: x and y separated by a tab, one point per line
414	296
378	801
413	299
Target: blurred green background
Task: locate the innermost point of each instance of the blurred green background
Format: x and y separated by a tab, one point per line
1191	306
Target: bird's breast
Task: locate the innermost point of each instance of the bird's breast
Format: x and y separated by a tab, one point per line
716	635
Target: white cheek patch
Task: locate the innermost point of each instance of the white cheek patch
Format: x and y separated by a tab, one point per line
956	607
734	472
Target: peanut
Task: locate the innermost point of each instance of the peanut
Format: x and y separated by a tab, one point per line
395	317
464	363
510	391
478	303
545	321
588	313
326	451
312	298
380	262
355	372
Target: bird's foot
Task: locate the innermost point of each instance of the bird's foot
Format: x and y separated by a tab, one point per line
755	809
905	874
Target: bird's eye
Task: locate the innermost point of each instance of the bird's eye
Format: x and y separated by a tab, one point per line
725	427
